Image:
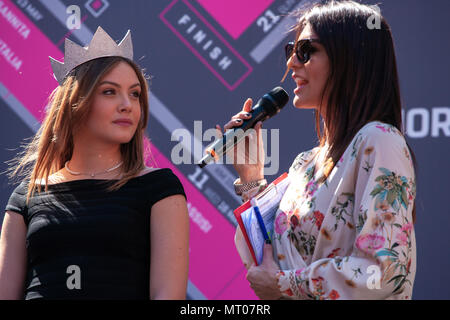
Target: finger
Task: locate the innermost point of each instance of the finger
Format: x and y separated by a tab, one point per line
255	131
268	259
250	271
242	115
257	154
248	275
233	123
268	252
247	105
258	126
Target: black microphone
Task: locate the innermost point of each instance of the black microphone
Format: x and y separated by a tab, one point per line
268	106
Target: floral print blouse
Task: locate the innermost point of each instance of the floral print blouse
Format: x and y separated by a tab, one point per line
352	236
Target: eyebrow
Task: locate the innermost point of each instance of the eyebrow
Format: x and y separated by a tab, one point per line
118	85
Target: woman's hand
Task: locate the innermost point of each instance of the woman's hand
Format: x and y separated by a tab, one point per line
249	164
263	279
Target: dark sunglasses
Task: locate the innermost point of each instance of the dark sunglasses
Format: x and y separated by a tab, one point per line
303	49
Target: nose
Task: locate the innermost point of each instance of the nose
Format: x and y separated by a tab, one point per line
293	62
125	104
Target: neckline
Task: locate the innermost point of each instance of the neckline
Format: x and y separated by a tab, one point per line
97	180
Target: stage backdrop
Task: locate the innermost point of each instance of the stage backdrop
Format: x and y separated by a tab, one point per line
205	57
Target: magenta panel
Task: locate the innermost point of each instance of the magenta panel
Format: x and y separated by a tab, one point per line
235	16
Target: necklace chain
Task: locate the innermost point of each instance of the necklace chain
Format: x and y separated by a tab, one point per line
92	174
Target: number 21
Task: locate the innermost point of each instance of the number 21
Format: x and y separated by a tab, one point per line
267	21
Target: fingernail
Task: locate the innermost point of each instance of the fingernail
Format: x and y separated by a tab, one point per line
268	241
248	114
238	120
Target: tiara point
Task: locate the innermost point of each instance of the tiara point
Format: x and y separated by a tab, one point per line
58	69
127	45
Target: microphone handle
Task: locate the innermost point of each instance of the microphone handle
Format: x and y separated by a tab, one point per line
258	114
268	106
235	135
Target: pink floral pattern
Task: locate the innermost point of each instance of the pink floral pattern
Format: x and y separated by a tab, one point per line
404	235
370	242
402	238
281	223
311	188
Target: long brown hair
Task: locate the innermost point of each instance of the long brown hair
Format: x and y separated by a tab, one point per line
363	83
69	105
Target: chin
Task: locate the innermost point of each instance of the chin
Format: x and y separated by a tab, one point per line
303	106
120	139
125	140
124	136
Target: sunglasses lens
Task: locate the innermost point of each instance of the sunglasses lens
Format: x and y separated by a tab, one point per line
288	49
303	51
302	48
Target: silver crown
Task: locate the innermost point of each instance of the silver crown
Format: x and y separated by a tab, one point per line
101	45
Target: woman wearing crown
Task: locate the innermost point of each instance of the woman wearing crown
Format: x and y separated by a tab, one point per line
90	220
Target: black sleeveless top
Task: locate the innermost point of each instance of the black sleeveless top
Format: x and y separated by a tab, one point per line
85	242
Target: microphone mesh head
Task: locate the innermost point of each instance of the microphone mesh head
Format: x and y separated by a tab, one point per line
275	100
280	96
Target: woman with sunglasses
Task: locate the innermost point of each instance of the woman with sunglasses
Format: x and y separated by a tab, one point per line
344	227
90	220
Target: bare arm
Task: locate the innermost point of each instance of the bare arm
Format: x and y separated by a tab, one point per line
13	256
169	249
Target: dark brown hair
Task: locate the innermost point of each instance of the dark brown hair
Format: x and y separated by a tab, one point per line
363	83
